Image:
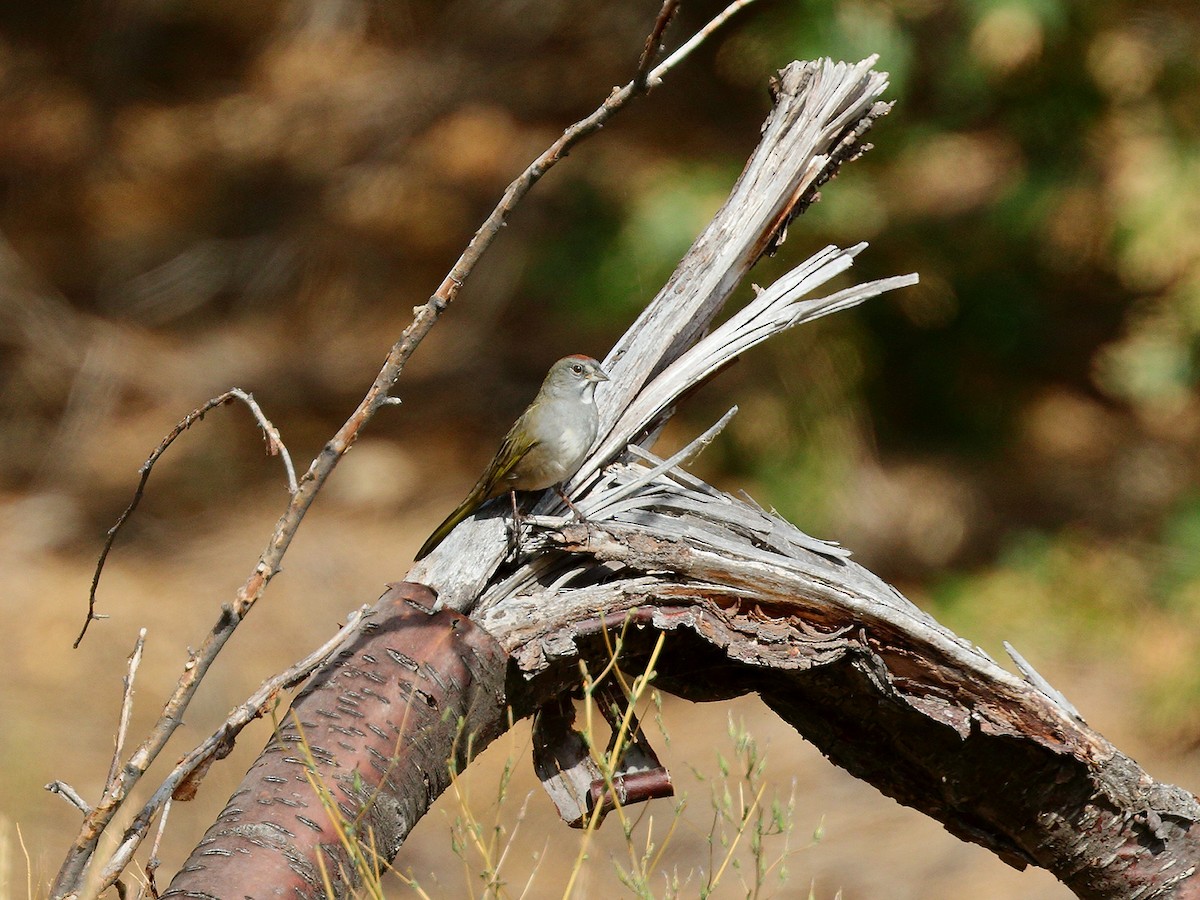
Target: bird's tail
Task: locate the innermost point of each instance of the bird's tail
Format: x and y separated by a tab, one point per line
464	509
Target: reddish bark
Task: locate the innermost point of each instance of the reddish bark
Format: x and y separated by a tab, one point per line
382	725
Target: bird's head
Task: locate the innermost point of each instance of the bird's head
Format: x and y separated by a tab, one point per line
574	375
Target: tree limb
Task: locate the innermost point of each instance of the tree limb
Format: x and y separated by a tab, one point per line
877	685
417	688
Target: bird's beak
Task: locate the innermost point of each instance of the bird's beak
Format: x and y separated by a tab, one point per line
597	374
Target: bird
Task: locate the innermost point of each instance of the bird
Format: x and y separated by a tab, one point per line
544	447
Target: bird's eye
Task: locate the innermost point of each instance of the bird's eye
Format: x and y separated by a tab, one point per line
577	369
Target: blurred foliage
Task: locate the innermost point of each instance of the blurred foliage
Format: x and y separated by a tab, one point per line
197	195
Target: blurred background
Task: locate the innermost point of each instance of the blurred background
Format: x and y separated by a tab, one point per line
206	194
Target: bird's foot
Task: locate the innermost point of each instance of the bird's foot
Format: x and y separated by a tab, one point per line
514	539
579	517
514	527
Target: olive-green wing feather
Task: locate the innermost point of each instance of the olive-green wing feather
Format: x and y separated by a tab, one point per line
514	448
516	445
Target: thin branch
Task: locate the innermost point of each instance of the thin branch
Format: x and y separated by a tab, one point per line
275	447
586	126
135	660
153	863
184	780
69	794
697	39
654	42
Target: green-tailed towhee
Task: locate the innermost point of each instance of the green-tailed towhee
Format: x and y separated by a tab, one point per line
545	446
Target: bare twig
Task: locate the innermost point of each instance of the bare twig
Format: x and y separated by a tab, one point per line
153	863
135	660
654	42
585	127
275	447
69	794
184	779
697	39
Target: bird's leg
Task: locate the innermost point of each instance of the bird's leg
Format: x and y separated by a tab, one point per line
567	500
515	534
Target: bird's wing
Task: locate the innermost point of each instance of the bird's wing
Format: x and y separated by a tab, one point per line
515	447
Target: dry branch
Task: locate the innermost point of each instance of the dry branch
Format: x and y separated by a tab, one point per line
275	447
876	684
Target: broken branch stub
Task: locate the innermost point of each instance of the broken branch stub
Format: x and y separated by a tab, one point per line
821	111
752	605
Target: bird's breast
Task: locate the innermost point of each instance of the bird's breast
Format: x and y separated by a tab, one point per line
560	450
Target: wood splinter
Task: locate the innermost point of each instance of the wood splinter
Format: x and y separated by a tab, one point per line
571	776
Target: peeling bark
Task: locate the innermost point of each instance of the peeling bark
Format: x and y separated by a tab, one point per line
419	691
881	689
